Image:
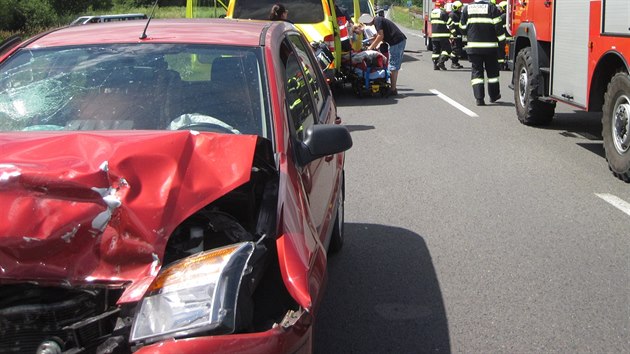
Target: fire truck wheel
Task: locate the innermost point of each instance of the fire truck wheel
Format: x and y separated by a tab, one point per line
529	109
616	126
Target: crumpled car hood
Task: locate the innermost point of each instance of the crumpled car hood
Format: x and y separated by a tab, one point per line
100	206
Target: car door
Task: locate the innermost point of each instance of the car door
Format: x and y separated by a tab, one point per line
320	177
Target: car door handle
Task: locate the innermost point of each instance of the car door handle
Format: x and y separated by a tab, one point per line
547	3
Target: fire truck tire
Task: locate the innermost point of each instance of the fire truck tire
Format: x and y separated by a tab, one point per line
616	126
529	109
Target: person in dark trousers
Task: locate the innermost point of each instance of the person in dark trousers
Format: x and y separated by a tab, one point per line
440	36
481	22
456	34
388	32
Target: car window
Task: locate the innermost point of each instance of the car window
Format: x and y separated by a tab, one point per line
298	96
310	72
138	86
348	5
300	11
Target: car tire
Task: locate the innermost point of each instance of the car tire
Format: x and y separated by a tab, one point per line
616	126
530	110
337	236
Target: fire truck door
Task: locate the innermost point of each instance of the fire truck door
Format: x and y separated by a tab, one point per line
616	18
569	51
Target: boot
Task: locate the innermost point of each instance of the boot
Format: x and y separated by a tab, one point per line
455	65
441	62
435	65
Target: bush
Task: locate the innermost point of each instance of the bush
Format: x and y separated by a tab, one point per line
29	17
18	15
72	7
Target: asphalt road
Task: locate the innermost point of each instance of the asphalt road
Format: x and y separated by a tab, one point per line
467	232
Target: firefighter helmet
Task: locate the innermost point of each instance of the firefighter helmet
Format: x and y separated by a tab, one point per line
457	5
503	5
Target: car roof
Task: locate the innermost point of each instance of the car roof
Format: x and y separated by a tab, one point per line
206	31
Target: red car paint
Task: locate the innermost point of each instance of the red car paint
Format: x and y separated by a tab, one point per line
98	207
57	225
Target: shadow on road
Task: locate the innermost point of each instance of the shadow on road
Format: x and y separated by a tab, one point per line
358	127
579	122
583	127
407	58
346	98
383	296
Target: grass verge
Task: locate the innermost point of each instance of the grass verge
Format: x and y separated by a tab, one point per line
406	18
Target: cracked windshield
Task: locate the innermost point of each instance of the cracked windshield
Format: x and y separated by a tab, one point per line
153	87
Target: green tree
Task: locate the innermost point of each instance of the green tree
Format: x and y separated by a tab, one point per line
73	7
17	15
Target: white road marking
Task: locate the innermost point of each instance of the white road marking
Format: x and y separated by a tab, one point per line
454	103
615	201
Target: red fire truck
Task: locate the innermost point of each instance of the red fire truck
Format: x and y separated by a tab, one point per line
576	52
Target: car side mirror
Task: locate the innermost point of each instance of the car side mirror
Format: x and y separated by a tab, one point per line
323	140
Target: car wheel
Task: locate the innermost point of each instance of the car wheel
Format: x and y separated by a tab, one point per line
336	239
529	109
616	126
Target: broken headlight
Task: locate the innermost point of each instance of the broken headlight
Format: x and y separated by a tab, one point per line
196	294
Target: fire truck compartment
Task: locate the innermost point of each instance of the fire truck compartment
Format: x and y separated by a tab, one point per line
569	51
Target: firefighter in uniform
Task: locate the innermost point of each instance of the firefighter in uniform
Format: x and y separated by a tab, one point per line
501	39
440	36
481	21
456	34
507	38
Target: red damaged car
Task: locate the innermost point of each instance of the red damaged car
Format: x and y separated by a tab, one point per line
167	189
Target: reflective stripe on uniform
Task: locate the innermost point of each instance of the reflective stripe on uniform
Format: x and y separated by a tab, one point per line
444	53
480	20
493	80
440	35
501	38
477	82
343	28
295	103
437	22
483	45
